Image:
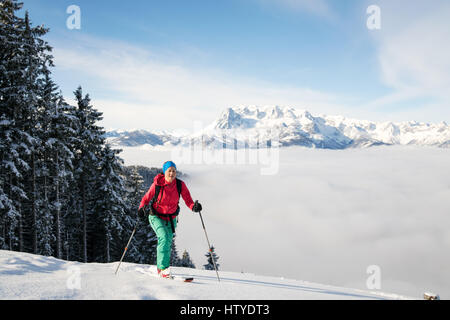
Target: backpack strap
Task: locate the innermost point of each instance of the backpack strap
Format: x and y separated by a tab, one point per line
179	186
158	189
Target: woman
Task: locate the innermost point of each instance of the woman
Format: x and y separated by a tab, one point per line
163	197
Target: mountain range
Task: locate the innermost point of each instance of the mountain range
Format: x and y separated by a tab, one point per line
258	127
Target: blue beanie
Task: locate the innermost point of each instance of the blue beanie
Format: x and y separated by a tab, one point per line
167	165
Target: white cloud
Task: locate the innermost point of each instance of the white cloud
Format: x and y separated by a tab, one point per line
417	55
413	53
150	91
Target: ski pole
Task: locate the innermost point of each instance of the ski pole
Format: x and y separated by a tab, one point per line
126	247
210	250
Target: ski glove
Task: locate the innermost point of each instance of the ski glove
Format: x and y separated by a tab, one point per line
197	206
143	214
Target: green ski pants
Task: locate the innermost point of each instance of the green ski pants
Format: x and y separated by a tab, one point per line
164	233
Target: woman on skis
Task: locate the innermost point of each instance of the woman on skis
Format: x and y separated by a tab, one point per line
162	201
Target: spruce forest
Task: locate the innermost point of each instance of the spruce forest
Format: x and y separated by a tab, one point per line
64	192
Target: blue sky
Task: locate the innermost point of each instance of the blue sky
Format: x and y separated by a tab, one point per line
164	64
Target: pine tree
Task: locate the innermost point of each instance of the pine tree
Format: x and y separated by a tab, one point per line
23	55
110	206
210	264
186	261
12	105
38	59
58	138
174	256
143	249
91	139
61	129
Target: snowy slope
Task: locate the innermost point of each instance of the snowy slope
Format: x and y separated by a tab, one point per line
27	276
253	126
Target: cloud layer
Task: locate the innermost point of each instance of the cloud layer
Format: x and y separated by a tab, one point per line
326	216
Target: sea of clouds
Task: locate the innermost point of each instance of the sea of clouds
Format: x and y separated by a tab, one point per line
322	216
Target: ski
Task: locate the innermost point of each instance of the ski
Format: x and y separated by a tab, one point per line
173	277
187	279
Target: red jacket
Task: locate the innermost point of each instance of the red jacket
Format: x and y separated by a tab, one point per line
168	198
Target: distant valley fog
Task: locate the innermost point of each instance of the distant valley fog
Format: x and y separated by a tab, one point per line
325	216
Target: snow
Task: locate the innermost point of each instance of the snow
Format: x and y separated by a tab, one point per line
253	123
25	276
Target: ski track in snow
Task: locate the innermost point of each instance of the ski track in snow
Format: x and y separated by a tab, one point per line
25	276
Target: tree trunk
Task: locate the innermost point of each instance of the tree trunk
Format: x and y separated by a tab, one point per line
58	211
33	204
83	194
21	233
108	258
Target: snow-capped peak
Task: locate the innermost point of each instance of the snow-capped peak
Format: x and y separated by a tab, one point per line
245	117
